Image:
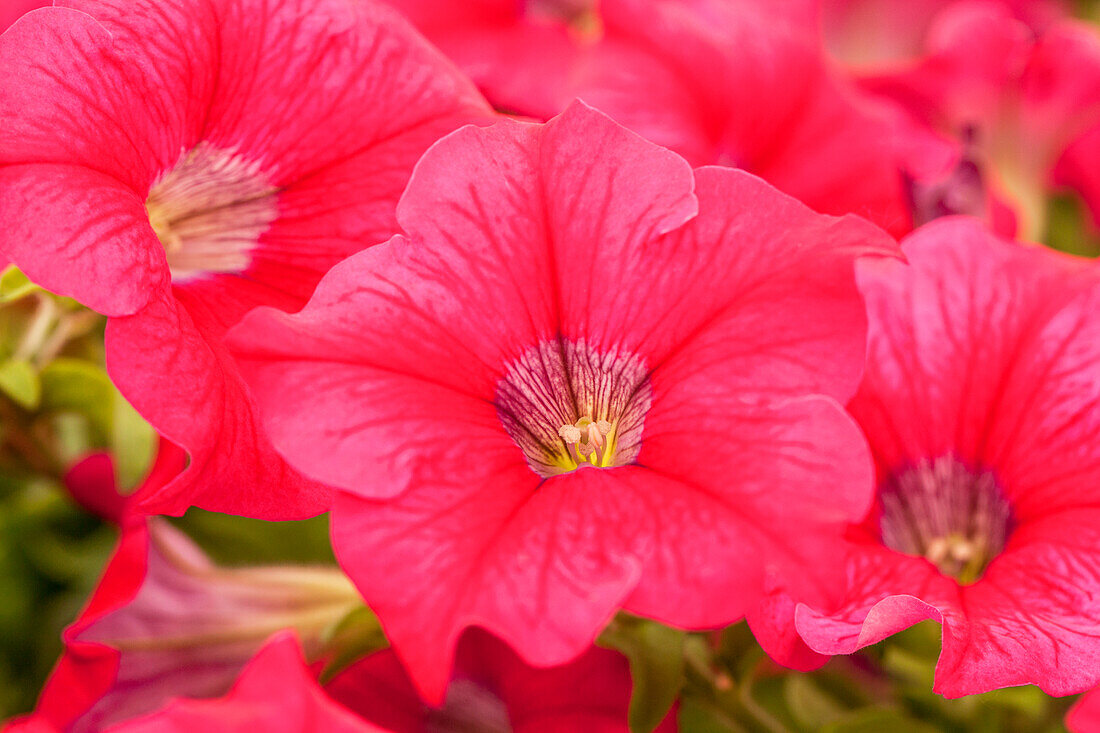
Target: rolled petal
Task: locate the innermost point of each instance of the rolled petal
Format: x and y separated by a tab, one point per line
191	389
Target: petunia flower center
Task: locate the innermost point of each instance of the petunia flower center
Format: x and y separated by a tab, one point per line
209	212
955	517
962	190
568	405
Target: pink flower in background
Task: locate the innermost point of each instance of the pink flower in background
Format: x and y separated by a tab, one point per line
1084	717
562	300
174	165
276	693
1022	98
520	53
492	689
872	35
166	622
981	403
743	83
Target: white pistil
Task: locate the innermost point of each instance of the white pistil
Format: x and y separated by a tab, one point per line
585	440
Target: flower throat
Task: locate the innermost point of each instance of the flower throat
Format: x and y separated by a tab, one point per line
956	518
568	405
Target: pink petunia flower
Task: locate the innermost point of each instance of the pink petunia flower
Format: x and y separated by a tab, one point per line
173	165
492	689
1023	99
165	621
574	385
981	403
742	83
1084	716
276	693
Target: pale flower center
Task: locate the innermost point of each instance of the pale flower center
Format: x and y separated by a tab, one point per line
568	405
209	212
956	518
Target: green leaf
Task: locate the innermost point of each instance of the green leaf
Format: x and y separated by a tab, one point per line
1027	699
703	716
133	443
19	381
1069	227
81	387
356	636
811	706
239	541
656	654
876	720
15	285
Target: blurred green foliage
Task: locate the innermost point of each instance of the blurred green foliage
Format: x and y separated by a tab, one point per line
726	684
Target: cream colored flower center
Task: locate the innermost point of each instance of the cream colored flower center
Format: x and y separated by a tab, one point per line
209	212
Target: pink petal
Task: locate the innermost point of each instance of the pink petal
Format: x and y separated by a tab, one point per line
761	96
1029	627
98	95
190	388
102	251
772	308
1084	717
886	592
775	483
947	334
591	693
91	482
15	9
484	530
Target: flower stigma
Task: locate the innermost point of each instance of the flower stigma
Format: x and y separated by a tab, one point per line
568	405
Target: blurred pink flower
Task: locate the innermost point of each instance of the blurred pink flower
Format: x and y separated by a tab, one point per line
981	403
872	35
563	299
173	165
743	83
1023	99
164	622
493	689
1083	717
275	693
